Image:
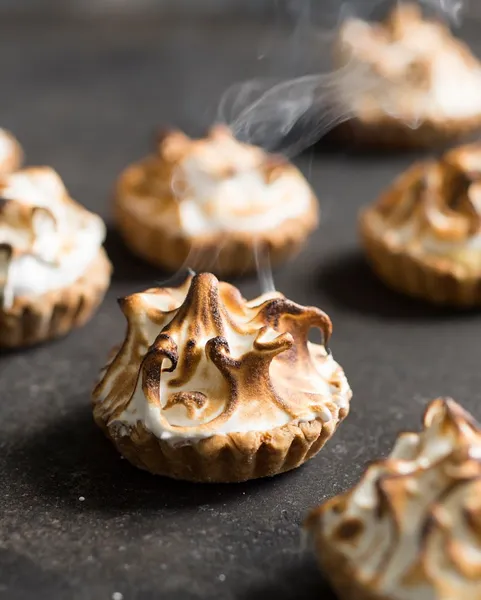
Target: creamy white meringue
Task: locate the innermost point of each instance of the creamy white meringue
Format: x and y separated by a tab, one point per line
220	185
48	239
226	189
411	528
414	69
434	209
200	361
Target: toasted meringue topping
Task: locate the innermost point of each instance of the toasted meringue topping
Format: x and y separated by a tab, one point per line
411	528
415	69
215	185
200	360
9	151
434	208
47	239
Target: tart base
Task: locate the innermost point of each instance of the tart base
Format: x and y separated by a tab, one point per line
396	135
433	281
231	458
224	254
32	320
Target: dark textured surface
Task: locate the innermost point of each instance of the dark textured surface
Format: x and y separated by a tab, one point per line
85	100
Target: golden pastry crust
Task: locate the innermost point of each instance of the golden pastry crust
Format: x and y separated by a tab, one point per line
32	320
402	120
421	236
394	135
201	367
410	527
155	232
231	458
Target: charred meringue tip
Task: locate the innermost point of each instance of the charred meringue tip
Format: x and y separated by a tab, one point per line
200	353
447	411
411	526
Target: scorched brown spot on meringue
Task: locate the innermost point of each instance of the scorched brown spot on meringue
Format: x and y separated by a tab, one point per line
51	239
193	199
418	532
435	202
202	367
423	235
53	269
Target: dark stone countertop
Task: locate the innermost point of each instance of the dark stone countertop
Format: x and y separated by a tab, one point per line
85	99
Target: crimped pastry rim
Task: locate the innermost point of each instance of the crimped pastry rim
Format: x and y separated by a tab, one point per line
395	135
35	320
224	253
244	454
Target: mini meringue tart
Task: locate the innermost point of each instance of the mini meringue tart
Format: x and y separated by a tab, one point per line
209	387
11	153
411	528
53	269
423	236
212	203
411	83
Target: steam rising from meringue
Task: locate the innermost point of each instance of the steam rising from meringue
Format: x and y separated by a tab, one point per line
264	270
452	9
266	113
288	114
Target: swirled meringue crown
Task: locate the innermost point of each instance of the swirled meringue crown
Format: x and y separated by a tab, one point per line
411	528
435	207
414	69
215	184
47	240
199	360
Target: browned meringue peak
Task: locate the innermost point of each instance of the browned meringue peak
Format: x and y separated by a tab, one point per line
401	21
404	26
32	222
438	198
220	155
411	528
200	360
220	152
34	207
370	38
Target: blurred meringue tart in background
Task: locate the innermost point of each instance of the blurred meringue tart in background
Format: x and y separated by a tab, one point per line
212	203
423	236
11	153
407	82
53	269
411	528
210	387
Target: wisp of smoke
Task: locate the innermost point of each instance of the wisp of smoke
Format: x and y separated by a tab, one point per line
266	112
263	267
290	113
